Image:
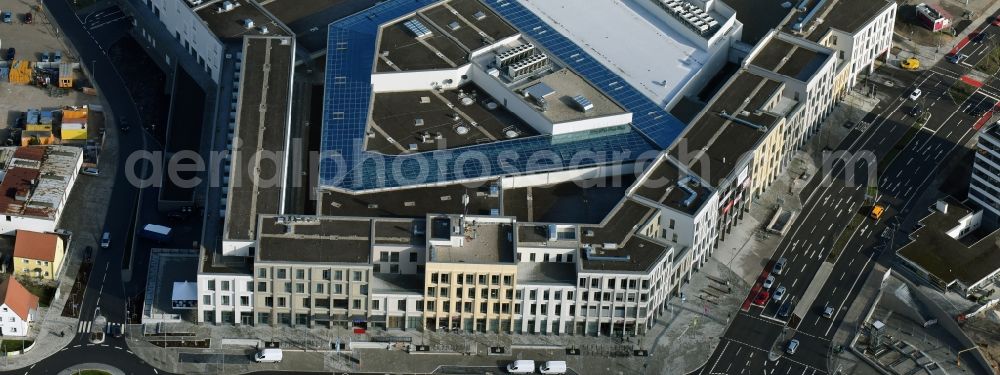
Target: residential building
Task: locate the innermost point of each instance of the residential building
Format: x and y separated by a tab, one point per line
37	181
471	273
18	308
38	255
313	271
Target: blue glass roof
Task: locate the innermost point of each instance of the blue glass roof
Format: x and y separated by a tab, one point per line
344	164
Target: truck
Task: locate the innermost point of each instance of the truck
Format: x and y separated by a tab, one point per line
156	233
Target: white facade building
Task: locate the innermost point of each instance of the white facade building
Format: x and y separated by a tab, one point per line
225	298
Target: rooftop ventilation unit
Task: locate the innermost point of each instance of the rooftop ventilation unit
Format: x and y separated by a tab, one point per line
479	16
691	15
527	65
454	25
799	26
417	28
732	118
507	57
226	6
264	30
692	195
582	103
248	23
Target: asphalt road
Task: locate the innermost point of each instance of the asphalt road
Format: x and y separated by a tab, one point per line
758	334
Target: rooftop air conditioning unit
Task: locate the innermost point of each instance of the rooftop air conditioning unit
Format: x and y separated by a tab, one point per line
248	23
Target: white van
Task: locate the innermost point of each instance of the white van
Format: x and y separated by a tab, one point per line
553	367
521	366
268	355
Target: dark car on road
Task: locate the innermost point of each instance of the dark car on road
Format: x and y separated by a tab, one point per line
980	37
11	53
916	110
28	18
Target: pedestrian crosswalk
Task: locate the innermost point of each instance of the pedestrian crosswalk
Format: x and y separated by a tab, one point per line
87	326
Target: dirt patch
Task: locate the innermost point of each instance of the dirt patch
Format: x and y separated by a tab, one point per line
985	332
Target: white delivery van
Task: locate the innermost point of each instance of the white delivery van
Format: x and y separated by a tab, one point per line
553	367
521	366
268	355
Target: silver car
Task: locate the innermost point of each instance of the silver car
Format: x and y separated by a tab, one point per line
779	294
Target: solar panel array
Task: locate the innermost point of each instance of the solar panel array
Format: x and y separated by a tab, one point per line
650	119
351	53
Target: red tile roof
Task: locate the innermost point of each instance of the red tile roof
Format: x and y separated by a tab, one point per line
17	298
16	183
34	245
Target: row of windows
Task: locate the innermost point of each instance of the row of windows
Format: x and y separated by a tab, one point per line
287	287
388	256
301	274
470	279
225	285
208	300
325	303
559	258
610	283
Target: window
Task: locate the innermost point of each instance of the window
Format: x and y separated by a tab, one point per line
249	286
531	257
281	273
413	256
244	301
445	278
494	293
375	304
262	286
326	274
401	305
595	283
338	289
377	267
470	279
532	294
508	279
306	302
430	306
269	301
494	280
357	276
434	278
211	284
288	287
383	256
206	299
482	279
394	268
394	257
338	275
300	288
444	292
671	226
320	288
281	302
225	285
431	291
300	274
225	300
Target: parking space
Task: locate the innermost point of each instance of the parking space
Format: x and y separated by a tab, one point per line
29	40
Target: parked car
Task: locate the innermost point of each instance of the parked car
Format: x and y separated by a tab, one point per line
553	367
768	282
779	294
979	38
11	52
786	308
90	171
910	64
955	58
268	355
57	56
915	94
44	57
779	266
792	346
28	18
521	366
761	298
916	110
8	17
